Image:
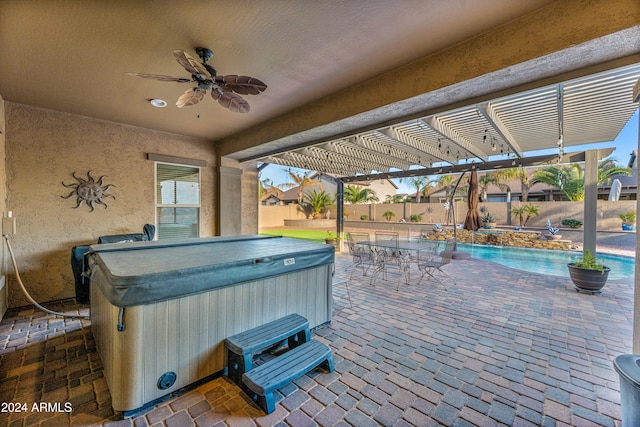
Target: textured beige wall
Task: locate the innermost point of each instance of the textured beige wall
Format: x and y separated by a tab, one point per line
3	197
274	216
43	148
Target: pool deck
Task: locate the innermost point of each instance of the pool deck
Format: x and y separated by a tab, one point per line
500	347
615	242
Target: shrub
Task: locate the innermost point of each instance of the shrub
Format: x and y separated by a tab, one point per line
572	223
364	217
629	217
415	218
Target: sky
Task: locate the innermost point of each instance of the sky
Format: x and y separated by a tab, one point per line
624	144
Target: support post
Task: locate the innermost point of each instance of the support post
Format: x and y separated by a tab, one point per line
636	294
340	214
590	200
230	201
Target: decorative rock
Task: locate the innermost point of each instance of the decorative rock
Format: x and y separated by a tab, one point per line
524	239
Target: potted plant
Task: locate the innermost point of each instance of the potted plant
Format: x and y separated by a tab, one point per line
488	221
588	275
628	220
552	232
331	238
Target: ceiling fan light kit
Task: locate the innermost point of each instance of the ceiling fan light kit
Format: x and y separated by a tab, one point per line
224	89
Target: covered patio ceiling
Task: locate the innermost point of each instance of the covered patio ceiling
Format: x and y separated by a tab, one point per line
503	132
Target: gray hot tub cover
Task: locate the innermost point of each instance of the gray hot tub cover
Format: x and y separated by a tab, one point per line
137	273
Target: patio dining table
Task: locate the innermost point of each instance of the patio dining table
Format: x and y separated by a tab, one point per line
401	254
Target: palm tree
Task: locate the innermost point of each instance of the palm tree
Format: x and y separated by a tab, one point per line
608	168
520	211
355	194
570	179
503	177
388	215
445	182
318	201
420	183
303	181
484	182
268	185
526	182
530	210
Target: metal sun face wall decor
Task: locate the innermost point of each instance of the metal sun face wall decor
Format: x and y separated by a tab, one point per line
89	191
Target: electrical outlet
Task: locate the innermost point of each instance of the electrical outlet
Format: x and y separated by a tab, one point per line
8	226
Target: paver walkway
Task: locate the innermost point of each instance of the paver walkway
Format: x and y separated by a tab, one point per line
500	347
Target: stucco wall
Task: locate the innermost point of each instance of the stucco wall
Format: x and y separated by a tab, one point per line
43	148
3	209
273	216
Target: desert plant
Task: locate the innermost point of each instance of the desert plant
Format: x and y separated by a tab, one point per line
487	217
364	217
388	215
551	229
415	218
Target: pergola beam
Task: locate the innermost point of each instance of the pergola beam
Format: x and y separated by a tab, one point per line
489	113
496	164
438	125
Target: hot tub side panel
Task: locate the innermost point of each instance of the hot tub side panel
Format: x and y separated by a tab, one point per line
186	335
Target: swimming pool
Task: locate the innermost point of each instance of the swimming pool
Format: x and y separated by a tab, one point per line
546	261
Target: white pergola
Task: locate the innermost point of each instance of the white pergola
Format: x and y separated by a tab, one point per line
512	128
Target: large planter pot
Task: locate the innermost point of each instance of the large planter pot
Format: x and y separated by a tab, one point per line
587	279
628	226
489	225
550	236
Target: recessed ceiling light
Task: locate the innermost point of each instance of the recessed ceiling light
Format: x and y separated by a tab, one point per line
159	103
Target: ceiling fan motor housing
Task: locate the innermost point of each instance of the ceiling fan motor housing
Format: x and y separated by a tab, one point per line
204	53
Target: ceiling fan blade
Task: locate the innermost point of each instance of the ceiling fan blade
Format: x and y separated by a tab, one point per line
244	85
160	77
230	101
190	97
191	64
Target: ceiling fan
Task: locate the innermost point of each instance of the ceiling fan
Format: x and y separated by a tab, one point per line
224	89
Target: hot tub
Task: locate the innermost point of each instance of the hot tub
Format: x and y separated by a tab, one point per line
160	311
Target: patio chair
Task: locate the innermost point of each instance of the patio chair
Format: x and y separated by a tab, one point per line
387	242
365	254
435	263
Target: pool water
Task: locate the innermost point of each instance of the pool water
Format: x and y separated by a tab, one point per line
546	261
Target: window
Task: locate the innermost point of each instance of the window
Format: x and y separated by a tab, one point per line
177	201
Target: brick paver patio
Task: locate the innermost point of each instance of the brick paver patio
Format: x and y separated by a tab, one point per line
500	347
